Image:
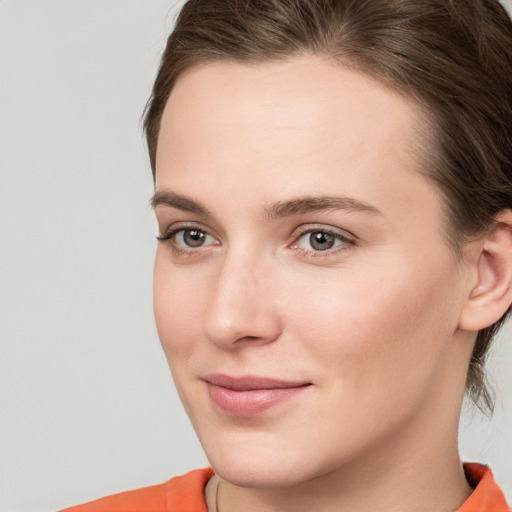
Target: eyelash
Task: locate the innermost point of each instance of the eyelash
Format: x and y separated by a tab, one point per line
169	238
344	239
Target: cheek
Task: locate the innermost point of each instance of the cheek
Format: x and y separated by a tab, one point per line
379	327
177	307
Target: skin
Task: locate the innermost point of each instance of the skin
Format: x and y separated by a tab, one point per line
372	324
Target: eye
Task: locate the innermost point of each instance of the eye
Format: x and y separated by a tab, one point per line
188	238
191	238
321	240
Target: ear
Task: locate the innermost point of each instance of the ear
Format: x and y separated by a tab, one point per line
491	296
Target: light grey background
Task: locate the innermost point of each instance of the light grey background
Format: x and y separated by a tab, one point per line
87	405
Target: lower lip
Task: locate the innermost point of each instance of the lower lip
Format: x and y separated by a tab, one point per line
249	402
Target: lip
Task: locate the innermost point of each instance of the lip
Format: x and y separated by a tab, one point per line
249	395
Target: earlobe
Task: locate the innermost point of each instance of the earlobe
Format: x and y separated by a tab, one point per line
491	296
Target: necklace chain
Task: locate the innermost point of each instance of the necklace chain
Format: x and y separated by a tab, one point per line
216	497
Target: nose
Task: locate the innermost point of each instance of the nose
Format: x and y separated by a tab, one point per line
243	306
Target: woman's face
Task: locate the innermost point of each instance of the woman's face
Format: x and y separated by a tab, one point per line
305	295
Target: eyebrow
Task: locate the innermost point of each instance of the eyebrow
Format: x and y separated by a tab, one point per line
178	201
311	204
280	209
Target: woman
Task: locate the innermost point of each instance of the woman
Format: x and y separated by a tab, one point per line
334	197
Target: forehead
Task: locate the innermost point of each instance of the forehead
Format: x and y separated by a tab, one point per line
305	84
277	129
290	97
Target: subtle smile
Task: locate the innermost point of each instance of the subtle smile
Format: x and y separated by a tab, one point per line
249	396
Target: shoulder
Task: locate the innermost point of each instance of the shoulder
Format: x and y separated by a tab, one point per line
184	493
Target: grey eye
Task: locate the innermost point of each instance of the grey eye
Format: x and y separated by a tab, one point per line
192	237
321	241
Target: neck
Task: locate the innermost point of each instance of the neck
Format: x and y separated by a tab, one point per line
405	476
439	486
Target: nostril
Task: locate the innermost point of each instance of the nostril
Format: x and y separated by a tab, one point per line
248	339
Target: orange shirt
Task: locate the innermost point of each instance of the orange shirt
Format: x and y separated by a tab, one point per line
487	496
186	494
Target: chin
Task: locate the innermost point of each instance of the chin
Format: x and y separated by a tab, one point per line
276	473
265	460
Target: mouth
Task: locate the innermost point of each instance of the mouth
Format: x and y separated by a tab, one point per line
250	396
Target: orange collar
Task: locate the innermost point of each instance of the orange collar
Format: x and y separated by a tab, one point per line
487	496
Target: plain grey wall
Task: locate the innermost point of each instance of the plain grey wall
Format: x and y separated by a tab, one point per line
87	402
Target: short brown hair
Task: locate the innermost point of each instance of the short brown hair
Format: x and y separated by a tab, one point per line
453	56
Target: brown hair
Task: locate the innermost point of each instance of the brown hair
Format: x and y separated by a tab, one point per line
453	56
